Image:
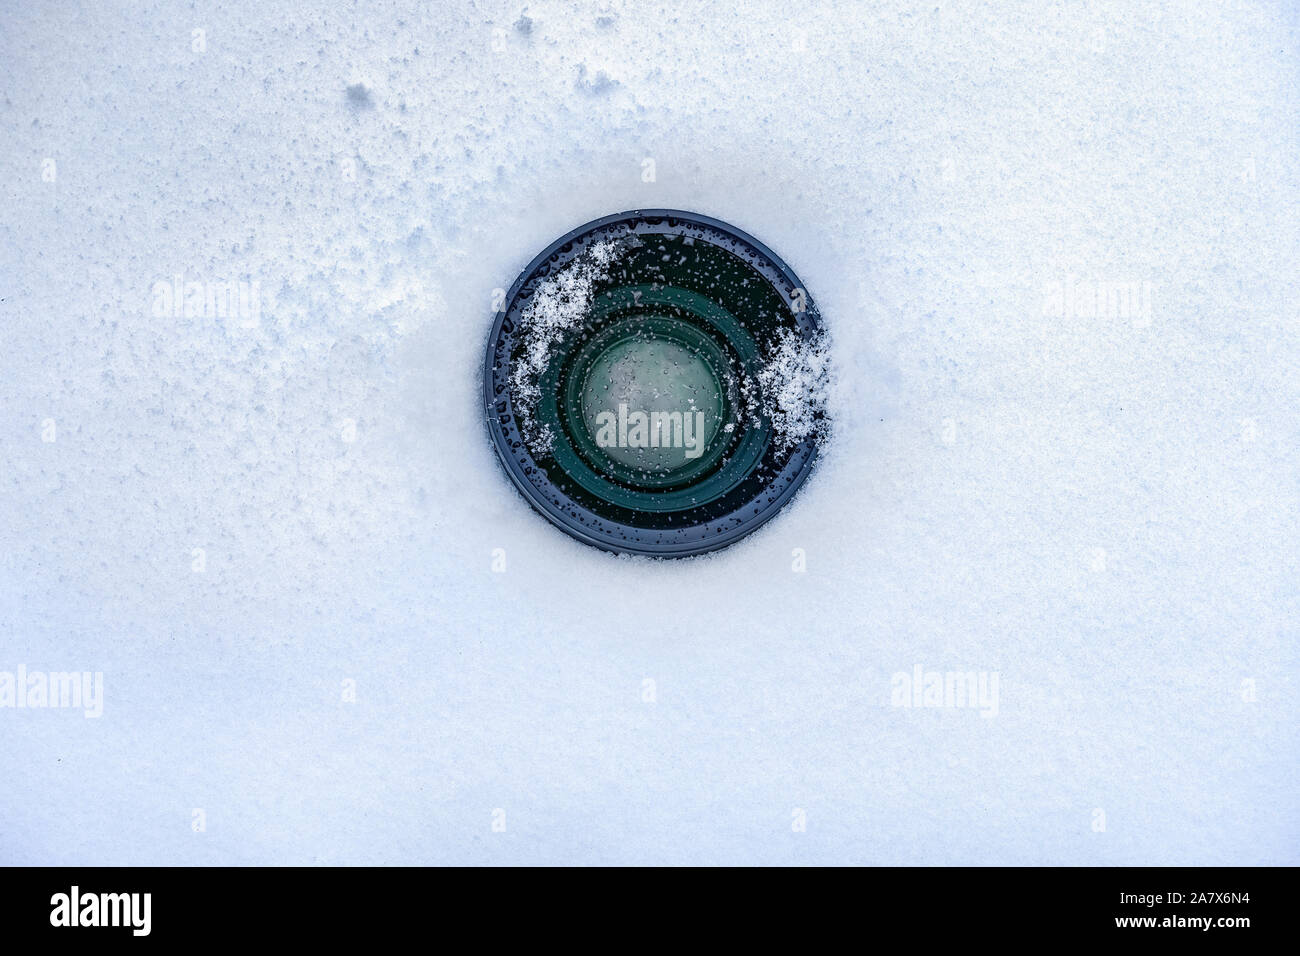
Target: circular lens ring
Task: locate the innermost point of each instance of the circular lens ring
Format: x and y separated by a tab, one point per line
697	530
618	487
584	363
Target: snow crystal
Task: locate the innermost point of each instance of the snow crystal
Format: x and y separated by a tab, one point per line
558	305
795	386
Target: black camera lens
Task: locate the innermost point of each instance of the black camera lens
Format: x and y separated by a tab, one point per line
655	383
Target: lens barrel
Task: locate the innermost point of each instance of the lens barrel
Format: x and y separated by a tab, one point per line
648	383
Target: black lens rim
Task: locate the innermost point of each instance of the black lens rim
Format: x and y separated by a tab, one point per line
544	495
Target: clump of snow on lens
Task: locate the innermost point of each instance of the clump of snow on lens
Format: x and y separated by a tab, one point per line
795	386
560	303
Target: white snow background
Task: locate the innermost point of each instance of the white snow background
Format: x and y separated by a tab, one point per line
1103	510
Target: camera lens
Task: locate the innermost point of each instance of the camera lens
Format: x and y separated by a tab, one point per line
655	383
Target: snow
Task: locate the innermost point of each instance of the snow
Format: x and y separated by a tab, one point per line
560	303
1092	495
795	383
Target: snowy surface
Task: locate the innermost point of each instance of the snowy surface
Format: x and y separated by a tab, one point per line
1103	510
